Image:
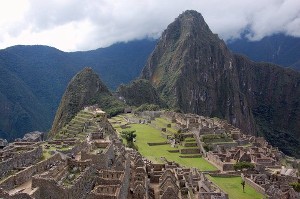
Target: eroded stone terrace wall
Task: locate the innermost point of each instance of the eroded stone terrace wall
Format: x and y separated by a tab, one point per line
190	151
101	161
257	187
21	160
26	174
50	189
125	186
76	149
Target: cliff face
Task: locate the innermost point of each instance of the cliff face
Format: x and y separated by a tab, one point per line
139	92
193	70
84	89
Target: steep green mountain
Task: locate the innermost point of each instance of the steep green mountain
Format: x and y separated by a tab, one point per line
193	70
279	49
139	92
33	79
84	89
17	104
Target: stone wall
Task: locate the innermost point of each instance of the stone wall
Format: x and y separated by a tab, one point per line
26	174
51	189
22	159
190	151
209	195
125	185
255	186
224	166
105	192
76	149
226	145
224	175
190	144
157	143
102	161
191	156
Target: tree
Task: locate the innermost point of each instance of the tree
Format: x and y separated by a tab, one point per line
243	183
129	136
243	165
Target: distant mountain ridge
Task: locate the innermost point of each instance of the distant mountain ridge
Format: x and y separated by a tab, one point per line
193	70
278	49
33	79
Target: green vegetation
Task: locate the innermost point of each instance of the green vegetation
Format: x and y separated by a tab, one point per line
33	80
232	186
86	86
147	134
110	105
147	107
296	186
129	136
141	93
212	138
243	165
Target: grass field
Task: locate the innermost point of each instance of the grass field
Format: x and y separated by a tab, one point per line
233	187
146	133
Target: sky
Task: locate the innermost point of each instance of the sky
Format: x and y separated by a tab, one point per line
80	25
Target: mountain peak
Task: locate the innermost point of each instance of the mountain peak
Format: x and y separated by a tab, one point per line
84	89
194	71
188	25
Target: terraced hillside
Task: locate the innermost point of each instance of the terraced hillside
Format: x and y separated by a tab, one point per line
82	124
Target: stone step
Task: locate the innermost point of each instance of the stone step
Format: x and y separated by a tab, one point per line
72	131
79	121
94	128
74	128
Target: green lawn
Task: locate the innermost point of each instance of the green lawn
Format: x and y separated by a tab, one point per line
233	187
146	133
162	123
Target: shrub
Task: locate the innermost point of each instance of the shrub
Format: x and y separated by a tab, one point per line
296	186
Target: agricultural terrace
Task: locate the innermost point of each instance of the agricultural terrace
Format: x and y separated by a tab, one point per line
147	133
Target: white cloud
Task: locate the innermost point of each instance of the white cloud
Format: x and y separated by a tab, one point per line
88	24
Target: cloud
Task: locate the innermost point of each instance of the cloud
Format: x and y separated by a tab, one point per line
89	24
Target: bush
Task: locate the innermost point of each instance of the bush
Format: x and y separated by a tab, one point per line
296	186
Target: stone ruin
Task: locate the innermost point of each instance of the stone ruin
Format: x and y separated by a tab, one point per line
243	148
95	164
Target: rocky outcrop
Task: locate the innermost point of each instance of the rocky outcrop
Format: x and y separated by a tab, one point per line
193	70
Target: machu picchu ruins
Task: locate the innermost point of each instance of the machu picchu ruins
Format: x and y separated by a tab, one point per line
87	159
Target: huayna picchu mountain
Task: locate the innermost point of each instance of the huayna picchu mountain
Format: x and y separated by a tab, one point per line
193	70
84	89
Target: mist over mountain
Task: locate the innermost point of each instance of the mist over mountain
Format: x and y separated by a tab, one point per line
34	78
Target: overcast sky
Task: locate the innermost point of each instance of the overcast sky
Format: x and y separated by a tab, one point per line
73	25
